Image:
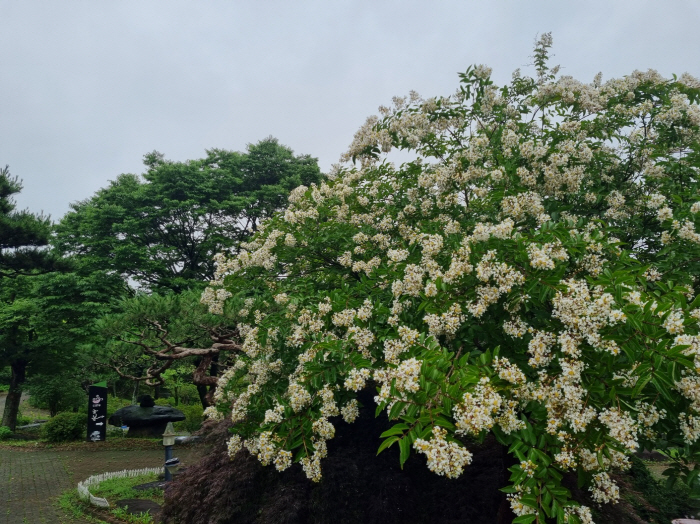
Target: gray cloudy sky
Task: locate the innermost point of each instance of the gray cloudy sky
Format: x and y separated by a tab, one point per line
86	88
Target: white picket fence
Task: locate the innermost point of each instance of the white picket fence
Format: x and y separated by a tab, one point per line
84	486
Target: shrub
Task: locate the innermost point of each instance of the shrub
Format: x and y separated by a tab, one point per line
165	402
64	427
532	274
115	403
188	394
5	432
23	420
114	432
193	420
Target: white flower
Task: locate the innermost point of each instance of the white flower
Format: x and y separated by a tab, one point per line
444	458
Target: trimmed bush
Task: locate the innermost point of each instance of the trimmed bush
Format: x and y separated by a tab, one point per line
65	426
115	403
170	401
193	418
188	394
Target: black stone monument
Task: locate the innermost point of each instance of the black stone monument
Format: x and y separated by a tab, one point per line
97	412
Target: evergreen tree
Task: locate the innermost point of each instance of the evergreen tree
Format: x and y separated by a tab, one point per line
22	234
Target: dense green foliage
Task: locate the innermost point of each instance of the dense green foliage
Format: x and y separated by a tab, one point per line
22	233
657	503
160	232
22	237
64	427
45	319
163	229
164	337
5	432
193	420
57	392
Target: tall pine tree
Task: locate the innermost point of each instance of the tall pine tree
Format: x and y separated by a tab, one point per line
22	237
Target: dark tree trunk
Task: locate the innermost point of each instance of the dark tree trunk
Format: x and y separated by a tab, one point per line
9	416
202	391
135	395
213	372
214	369
201	379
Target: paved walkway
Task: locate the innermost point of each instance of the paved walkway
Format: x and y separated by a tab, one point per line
29	485
30	481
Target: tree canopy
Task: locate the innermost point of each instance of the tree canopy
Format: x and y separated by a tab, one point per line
22	233
532	274
44	321
162	230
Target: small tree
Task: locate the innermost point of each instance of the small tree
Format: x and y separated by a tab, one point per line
62	392
530	274
152	335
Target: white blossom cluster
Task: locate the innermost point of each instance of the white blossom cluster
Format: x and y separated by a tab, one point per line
477	410
444	458
515	262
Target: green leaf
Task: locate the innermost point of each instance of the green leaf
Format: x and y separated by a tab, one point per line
405	447
443	422
524	519
396	409
397	429
387	443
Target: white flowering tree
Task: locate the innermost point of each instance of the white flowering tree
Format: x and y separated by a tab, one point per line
530	274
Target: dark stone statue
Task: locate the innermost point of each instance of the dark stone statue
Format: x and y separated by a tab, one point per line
146	419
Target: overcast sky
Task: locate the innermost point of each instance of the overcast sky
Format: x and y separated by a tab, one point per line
87	88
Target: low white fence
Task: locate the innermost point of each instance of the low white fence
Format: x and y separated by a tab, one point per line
84	486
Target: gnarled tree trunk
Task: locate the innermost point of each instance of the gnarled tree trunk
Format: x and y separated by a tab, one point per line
204	376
